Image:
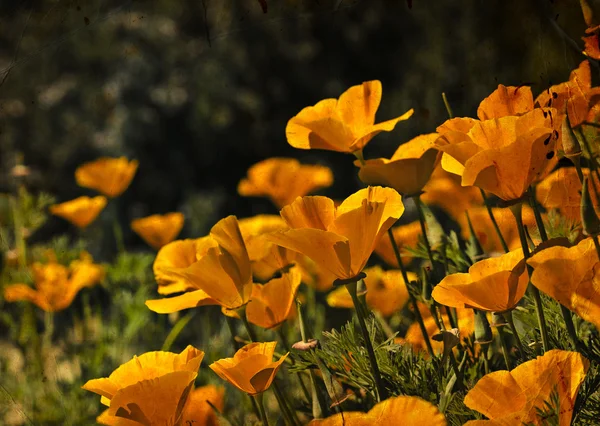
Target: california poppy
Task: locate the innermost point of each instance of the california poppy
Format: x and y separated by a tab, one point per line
346	124
405	236
386	291
409	168
81	211
284	179
221	275
152	389
56	285
110	176
506	101
495	284
251	369
340	239
158	230
514	397
570	275
502	155
401	410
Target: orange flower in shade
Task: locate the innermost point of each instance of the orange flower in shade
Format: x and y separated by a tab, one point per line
405	236
592	45
409	168
152	389
570	275
495	284
110	176
506	101
502	155
346	124
486	233
414	336
284	179
222	275
158	230
399	410
56	285
340	239
251	369
442	183
81	211
576	98
386	291
272	303
513	397
561	190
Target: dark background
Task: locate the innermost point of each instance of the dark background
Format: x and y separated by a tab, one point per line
198	91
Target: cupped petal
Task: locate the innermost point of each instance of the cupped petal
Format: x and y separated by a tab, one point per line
110	176
81	211
369	133
504	101
262	380
158	230
310	212
178	254
358	105
188	300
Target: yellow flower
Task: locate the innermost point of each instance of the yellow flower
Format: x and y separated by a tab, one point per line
571	276
495	284
340	239
222	274
405	236
158	230
284	179
346	124
409	168
386	291
502	155
110	176
272	303
251	369
56	285
81	211
399	410
562	190
152	389
513	397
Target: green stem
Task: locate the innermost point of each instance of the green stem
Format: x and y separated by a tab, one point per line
412	298
597	245
504	347
18	230
570	326
447	105
419	205
118	233
493	219
286	346
539	308
261	409
380	389
536	212
176	330
508	316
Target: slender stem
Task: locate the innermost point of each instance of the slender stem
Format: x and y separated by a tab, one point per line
286	346
419	205
454	365
413	300
539	308
570	326
380	389
118	233
536	212
249	329
493	219
261	409
447	105
597	245
176	330
508	316
504	348
18	230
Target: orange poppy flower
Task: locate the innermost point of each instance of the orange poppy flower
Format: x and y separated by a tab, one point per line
151	389
576	98
592	45
251	369
81	211
56	285
400	410
513	397
340	239
314	275
505	101
486	233
409	168
198	411
503	155
562	190
414	336
222	275
494	285
570	275
158	230
346	124
442	183
110	176
283	180
405	236
386	291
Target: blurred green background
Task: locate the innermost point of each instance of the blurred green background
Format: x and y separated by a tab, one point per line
199	91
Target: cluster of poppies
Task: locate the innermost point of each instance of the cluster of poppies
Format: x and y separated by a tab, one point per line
252	268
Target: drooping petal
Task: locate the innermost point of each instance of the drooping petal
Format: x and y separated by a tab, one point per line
310	212
187	300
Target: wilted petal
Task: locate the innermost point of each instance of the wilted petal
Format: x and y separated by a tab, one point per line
188	300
